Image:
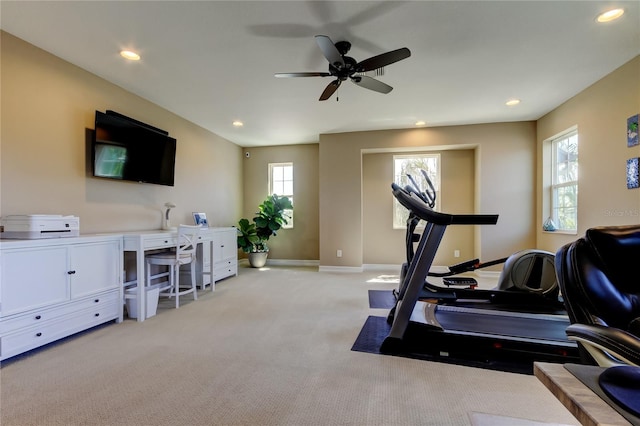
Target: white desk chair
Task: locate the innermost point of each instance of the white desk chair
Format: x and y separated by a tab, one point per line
183	254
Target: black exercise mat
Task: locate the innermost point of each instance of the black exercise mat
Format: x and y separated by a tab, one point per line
376	329
373	332
381	299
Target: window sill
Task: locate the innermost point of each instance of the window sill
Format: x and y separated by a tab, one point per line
561	232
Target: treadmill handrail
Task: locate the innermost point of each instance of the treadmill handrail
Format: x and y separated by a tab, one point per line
424	212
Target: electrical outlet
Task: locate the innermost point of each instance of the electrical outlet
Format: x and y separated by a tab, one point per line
456	253
339	253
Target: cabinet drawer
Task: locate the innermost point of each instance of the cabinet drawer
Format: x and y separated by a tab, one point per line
41	316
163	242
225	269
160	242
47	332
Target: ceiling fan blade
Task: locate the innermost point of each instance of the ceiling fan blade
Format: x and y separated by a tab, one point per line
302	74
383	60
330	89
330	51
371	84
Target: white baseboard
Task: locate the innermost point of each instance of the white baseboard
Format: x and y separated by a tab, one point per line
364	268
284	262
292	262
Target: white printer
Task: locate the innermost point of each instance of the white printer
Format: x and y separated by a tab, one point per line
33	226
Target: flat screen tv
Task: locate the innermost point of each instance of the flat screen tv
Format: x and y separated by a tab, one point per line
127	149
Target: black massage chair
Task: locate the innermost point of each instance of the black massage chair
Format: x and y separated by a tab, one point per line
599	277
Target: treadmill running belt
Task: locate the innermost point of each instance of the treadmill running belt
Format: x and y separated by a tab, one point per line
506	326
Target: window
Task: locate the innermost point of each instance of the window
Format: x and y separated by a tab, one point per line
281	183
564	181
412	164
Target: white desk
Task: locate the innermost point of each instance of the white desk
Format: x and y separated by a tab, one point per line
141	241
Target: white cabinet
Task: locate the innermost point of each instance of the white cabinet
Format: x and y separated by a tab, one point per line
225	256
50	289
32	278
225	252
95	268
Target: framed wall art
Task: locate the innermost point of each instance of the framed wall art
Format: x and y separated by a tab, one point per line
632	131
633	173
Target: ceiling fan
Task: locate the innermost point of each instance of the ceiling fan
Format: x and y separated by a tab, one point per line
344	67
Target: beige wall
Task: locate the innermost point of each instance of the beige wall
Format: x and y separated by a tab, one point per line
384	245
48	108
301	241
47	113
601	113
505	184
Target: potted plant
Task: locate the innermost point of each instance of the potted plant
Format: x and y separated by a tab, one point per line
253	236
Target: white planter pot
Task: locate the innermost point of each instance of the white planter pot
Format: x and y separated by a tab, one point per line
258	259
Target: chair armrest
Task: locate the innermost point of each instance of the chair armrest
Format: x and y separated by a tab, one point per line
608	345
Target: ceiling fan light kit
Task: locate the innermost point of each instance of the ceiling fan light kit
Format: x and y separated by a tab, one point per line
344	67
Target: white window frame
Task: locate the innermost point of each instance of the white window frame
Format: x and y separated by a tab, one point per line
567	221
400	213
284	183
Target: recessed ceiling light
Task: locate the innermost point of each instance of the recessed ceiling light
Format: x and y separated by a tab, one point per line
238	123
512	102
610	15
128	54
421	123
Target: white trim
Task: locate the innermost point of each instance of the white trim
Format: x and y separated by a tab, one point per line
563	133
292	262
284	262
288	212
552	209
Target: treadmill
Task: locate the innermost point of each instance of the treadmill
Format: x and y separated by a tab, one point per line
481	335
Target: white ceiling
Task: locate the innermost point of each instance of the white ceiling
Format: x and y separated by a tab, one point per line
213	62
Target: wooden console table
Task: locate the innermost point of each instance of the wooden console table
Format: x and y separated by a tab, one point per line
582	402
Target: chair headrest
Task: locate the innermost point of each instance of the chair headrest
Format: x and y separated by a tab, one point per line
618	247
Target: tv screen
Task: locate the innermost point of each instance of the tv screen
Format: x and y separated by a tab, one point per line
127	149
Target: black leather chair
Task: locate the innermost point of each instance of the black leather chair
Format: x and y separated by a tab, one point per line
599	277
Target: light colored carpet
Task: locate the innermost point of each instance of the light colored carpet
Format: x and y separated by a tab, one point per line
268	347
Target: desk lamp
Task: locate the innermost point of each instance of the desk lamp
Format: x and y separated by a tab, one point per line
165	222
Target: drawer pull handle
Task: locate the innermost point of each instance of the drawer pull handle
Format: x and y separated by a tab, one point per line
165	241
71	272
38	317
38	334
96	315
96	300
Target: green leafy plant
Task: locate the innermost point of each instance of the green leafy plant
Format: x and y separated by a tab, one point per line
253	236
